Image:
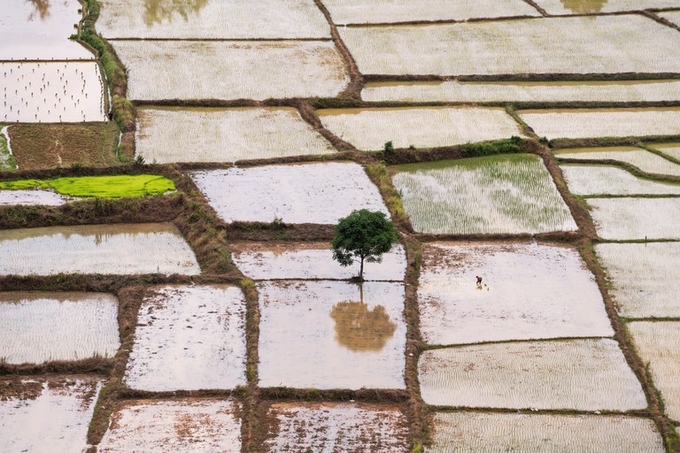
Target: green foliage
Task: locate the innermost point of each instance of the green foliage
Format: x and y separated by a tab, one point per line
389	148
118	186
363	235
7	162
508	146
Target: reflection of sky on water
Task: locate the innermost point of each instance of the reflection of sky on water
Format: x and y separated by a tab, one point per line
159	11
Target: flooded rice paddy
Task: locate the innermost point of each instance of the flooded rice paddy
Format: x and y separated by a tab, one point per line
46	414
307	193
310	260
101	249
330	334
42	327
587	123
500	194
636	218
472	432
576	91
31	197
644	160
601	6
190	424
225	135
232	69
589	180
337	428
562	45
425	127
549	293
189	338
584	374
659	346
266	19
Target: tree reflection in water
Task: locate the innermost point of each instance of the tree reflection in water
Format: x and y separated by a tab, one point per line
359	329
584	6
158	11
42	9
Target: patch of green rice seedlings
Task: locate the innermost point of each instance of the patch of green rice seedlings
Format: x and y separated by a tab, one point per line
498	194
117	186
643	277
658	344
636	218
640	158
594	180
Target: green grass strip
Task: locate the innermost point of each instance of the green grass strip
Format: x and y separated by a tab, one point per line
119	186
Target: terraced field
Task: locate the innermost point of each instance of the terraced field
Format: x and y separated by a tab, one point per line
169	181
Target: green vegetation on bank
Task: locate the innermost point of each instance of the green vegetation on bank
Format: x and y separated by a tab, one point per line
7	162
118	186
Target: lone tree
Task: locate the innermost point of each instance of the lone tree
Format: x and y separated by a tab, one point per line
363	235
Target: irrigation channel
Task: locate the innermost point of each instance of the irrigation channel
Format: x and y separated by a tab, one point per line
171	174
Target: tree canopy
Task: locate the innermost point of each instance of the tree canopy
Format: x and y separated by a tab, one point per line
363	236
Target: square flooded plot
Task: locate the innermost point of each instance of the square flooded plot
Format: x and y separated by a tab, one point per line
636	218
563	91
473	432
190	424
528	291
41	327
561	45
264	19
658	344
583	375
422	127
499	194
31	198
189	338
587	123
602	6
51	92
310	260
644	160
390	11
337	428
589	180
644	278
96	249
39	30
232	69
225	135
332	335
669	149
46	415
302	193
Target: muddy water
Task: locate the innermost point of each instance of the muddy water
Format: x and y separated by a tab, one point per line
189	338
55	418
105	249
51	92
39	327
39	30
31	197
331	335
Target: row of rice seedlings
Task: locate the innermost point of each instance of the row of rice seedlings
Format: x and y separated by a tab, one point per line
587	123
594	180
672	16
189	338
303	193
669	149
40	327
562	45
498	194
390	11
471	432
337	428
564	91
232	70
601	6
271	261
636	218
548	294
224	135
187	424
640	158
40	31
658	344
331	334
49	414
265	19
423	127
576	374
643	278
103	249
116	186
